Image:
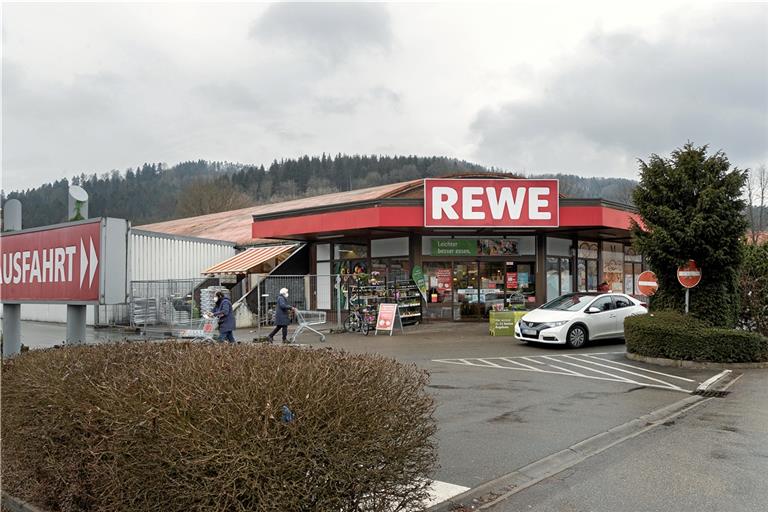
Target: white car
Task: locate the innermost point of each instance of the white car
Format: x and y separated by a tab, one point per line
576	318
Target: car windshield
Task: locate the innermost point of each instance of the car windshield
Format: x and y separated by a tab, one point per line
569	302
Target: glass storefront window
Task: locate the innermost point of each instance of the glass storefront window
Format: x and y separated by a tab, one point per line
349	251
466	296
565	276
492	277
553	278
588	250
613	266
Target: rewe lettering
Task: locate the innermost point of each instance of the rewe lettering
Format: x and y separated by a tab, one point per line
477	203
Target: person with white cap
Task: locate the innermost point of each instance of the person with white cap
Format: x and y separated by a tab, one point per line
282	318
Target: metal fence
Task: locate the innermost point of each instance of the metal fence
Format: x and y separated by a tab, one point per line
306	293
168	303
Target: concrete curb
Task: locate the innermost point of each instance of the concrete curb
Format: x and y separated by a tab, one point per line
700	365
494	491
16	505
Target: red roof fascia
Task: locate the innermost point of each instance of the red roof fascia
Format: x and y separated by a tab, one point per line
413	217
597	216
334	222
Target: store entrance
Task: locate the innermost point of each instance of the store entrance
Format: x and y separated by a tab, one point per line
469	290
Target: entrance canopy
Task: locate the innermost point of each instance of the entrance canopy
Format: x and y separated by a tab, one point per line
250	260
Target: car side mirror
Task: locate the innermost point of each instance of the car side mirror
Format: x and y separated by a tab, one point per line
593	309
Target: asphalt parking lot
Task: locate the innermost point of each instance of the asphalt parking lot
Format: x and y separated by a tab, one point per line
502	405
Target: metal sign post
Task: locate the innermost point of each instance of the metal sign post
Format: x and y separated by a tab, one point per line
688	275
11	312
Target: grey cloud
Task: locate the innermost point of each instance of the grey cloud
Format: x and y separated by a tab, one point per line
350	105
627	97
331	31
232	95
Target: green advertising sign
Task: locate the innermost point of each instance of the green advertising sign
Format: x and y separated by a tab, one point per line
454	247
418	278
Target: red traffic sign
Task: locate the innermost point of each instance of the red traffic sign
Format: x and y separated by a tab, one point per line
647	283
689	275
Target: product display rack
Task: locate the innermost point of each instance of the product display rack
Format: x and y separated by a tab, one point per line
408	299
403	292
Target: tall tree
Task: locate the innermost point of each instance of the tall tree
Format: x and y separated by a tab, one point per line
692	208
202	197
757	202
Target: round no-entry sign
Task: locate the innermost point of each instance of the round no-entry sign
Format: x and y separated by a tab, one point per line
647	283
689	275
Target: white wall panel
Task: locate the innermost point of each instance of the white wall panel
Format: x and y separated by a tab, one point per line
158	257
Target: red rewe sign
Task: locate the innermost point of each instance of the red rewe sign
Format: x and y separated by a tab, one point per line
60	264
481	203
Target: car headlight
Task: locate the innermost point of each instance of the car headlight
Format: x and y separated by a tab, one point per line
557	324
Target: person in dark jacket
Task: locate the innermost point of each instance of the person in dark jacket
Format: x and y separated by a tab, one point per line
223	310
282	318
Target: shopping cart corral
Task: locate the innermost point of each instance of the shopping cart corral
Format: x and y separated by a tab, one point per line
307	319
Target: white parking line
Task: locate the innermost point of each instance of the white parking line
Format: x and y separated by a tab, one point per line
590	368
639	368
442	491
521	364
620	370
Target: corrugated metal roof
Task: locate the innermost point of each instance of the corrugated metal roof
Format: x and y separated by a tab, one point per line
235	225
243	262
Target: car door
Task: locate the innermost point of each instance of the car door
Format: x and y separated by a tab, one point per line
603	323
623	307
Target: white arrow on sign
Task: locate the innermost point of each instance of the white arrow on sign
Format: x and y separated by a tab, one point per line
83	262
94	264
88	260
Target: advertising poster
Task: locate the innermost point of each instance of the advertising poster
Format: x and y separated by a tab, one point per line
500	247
418	278
444	279
512	281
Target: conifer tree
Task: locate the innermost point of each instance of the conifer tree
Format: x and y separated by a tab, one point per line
692	208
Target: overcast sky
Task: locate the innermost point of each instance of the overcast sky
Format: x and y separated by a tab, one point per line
546	87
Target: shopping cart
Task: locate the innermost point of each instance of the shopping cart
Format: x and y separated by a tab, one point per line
306	319
202	329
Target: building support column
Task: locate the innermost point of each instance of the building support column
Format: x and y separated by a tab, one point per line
541	269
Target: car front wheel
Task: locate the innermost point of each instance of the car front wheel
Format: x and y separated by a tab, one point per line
577	336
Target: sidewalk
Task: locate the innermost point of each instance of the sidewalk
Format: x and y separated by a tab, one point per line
714	458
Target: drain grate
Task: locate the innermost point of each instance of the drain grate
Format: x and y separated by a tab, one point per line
711	393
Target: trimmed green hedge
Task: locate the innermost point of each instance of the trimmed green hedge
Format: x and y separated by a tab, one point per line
670	335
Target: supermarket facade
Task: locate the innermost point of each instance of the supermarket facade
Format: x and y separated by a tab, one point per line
479	240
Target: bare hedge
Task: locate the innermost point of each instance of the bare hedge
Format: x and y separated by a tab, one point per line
186	427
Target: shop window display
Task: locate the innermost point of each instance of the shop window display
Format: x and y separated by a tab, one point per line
613	266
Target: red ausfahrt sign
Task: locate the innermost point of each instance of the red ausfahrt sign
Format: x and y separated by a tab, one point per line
491	203
61	264
689	275
647	283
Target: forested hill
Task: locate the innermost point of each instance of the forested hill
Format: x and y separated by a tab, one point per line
155	192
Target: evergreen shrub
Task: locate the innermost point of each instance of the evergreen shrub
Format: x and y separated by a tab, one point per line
179	426
671	335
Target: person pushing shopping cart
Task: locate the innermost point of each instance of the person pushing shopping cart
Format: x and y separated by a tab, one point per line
282	316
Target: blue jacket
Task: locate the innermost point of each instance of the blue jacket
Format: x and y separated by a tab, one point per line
226	319
281	314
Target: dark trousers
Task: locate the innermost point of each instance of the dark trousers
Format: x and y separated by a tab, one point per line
277	328
226	336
